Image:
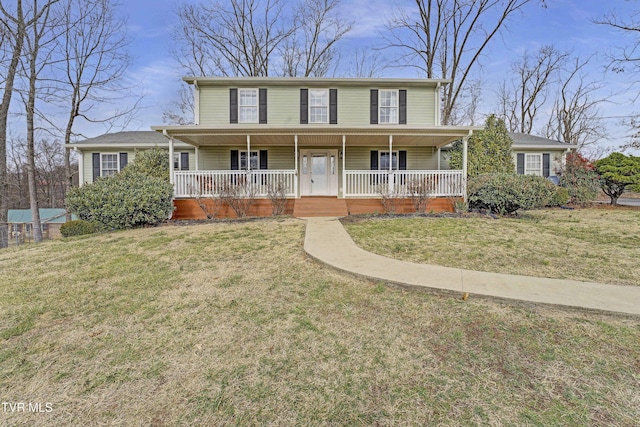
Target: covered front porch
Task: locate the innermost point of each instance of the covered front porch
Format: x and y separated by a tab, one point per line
361	162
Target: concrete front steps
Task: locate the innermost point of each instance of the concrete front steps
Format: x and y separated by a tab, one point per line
319	206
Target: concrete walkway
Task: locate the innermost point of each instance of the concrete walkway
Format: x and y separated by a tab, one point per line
327	241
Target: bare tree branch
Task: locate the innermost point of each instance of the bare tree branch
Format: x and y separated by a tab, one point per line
448	39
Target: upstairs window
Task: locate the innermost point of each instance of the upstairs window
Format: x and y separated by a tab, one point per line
319	106
388	104
248	105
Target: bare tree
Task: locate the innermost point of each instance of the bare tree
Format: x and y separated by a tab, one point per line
365	63
624	56
38	39
521	99
310	51
50	169
575	118
14	24
448	38
93	59
234	38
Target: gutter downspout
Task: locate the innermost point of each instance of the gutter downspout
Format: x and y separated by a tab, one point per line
465	150
196	103
437	102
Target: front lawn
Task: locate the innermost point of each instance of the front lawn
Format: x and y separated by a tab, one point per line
597	244
232	324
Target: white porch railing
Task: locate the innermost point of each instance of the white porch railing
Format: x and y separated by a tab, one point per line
212	183
361	183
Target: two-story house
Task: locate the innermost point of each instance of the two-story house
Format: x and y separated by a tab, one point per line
336	144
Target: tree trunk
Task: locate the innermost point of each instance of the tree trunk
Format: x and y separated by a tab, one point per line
4	114
31	155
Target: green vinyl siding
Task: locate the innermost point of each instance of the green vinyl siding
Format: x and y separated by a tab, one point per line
131	155
283	105
418	158
219	158
214	106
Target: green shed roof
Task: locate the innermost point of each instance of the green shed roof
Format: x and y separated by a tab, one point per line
47	215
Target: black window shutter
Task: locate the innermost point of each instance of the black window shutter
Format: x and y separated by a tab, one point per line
402	160
263	160
374	160
304	106
233	105
402	111
234	160
520	165
262	105
124	159
546	164
96	165
333	106
374	106
184	161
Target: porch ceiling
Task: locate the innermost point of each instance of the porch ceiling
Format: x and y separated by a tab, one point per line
262	135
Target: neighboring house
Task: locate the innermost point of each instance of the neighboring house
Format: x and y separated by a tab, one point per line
532	155
20	224
348	140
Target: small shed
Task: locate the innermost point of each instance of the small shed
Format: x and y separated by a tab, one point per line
20	224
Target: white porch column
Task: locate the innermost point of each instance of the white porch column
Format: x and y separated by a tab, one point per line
465	149
439	154
197	159
391	178
80	166
295	176
344	170
248	159
172	179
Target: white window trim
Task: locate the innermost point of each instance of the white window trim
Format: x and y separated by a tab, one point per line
240	105
395	152
176	154
528	171
326	107
397	107
102	175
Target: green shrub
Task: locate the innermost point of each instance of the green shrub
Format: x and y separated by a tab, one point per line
580	179
78	228
125	200
153	162
506	193
560	198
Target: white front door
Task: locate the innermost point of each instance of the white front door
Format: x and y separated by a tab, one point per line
318	173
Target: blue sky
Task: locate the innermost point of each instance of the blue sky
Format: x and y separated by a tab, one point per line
563	23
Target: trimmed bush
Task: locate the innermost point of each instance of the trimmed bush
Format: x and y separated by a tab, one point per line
78	228
153	162
126	200
506	193
561	198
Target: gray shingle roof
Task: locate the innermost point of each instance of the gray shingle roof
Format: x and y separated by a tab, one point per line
525	139
133	137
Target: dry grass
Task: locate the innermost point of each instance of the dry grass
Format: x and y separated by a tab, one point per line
598	244
230	324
